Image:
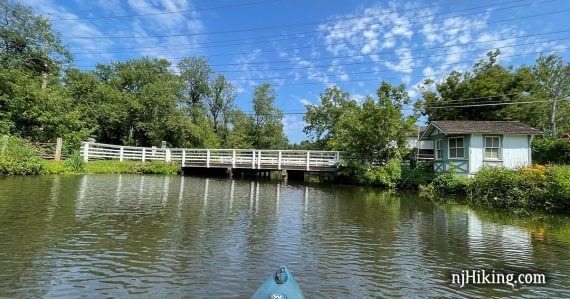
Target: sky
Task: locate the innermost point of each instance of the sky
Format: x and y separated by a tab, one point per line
302	47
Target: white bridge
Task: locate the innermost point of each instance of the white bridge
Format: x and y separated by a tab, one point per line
302	160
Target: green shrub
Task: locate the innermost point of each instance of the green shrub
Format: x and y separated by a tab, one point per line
551	151
382	176
557	188
55	167
501	187
449	183
75	163
114	166
16	158
414	177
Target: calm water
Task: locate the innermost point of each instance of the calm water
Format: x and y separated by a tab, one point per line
158	236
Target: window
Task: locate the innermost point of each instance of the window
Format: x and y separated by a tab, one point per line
456	148
438	149
492	147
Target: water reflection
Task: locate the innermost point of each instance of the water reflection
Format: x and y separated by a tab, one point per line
194	237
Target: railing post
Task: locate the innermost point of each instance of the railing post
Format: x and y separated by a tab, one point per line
253	160
279	161
168	157
86	151
337	157
58	144
233	159
144	154
308	160
259	160
183	158
207	158
121	154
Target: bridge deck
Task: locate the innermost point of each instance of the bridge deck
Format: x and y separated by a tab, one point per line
219	158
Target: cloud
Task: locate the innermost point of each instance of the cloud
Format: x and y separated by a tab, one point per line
305	102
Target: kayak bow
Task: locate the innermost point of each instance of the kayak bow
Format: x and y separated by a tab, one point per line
281	285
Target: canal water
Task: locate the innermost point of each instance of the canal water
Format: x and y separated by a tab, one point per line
174	236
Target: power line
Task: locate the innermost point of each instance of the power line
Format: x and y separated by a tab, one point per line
405	69
389	60
166	12
257	28
268	38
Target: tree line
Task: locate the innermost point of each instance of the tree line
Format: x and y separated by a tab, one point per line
147	100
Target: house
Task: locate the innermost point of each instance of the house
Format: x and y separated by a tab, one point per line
470	145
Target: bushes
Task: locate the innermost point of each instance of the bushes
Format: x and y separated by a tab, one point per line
524	189
557	187
414	177
75	162
505	188
381	176
16	158
551	151
114	166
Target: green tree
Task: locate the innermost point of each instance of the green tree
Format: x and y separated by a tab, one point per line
374	131
268	132
220	103
553	75
195	73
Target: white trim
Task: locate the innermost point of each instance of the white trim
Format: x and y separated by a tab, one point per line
499	149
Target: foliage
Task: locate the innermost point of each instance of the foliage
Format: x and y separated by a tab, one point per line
373	131
381	176
75	163
114	166
521	190
557	188
449	183
550	151
489	82
267	131
414	177
16	158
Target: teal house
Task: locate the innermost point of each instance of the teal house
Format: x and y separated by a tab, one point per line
469	145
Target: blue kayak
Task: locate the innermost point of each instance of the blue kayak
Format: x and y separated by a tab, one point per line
281	285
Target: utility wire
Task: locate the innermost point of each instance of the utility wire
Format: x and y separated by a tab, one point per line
259	28
270	38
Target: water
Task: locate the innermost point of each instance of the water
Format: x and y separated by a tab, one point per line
172	236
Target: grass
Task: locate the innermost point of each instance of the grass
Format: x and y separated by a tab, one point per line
112	166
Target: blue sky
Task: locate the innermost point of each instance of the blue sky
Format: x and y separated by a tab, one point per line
301	47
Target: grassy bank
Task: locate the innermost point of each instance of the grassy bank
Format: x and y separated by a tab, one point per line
112	166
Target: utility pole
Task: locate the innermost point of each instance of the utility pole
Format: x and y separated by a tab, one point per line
46	49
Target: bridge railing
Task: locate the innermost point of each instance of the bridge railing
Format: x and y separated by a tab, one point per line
235	158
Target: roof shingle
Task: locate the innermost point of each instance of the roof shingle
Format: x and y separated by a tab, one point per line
484	127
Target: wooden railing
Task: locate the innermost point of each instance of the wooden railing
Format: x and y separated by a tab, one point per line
234	158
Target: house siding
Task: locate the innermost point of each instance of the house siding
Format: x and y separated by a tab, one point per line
515	151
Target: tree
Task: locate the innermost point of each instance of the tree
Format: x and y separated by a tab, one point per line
553	76
28	42
372	131
220	103
195	72
268	132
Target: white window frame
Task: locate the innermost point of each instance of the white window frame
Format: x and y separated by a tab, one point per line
436	142
499	148
449	147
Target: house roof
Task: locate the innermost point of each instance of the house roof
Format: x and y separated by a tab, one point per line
481	127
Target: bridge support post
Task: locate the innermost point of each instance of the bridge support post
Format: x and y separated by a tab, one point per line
207	158
259	160
121	154
168	158
279	161
233	158
183	163
308	160
86	151
253	160
337	157
144	154
58	144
